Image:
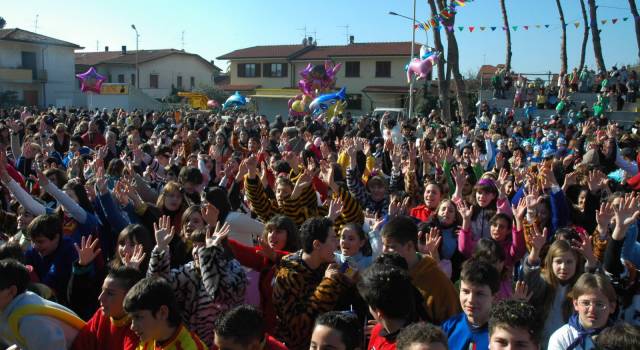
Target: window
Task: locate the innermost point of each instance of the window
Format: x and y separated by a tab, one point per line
192	82
153	81
133	79
275	70
354	101
248	70
383	69
179	82
120	78
109	80
352	69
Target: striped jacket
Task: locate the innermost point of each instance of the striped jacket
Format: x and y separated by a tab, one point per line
301	294
202	293
356	187
301	208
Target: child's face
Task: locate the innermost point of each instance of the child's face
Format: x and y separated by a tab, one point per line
326	250
45	246
147	326
564	266
499	230
194	222
326	338
111	298
476	301
432	196
484	198
390	245
593	309
447	213
505	337
377	192
350	242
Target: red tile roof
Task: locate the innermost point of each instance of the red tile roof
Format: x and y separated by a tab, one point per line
271	51
388	89
21	35
239	87
312	52
116	57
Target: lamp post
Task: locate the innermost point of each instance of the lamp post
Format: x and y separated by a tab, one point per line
133	26
413	44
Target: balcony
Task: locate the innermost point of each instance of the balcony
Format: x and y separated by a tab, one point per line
23	75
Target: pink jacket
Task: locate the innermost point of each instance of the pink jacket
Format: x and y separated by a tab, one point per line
514	248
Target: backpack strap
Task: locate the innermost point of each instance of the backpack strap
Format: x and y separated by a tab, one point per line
41	310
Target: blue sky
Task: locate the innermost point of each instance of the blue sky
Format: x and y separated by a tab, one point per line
215	27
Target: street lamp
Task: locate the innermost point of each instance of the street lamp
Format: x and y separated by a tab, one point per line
413	44
133	26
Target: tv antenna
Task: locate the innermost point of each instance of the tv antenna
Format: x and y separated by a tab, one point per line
35	30
346	29
304	29
182	40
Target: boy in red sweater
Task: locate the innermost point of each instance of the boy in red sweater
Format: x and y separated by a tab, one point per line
110	326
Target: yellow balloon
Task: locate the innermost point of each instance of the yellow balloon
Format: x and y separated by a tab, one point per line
298	106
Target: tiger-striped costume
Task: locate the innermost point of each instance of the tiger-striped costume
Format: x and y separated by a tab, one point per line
203	293
303	207
301	294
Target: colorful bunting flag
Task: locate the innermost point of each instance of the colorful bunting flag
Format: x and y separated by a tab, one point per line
460	3
614	20
625	19
515	28
526	27
604	21
577	24
471	28
450	28
546	26
482	29
461	28
493	29
538	26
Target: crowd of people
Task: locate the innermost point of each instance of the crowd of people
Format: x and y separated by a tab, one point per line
194	230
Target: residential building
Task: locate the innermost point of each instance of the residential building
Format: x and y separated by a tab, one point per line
373	73
160	70
40	69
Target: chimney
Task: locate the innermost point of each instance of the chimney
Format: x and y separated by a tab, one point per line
124	49
106	49
352	39
310	40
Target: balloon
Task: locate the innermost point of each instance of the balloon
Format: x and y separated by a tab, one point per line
422	68
425	52
318	78
322	102
298	106
91	80
597	110
213	104
560	107
235	100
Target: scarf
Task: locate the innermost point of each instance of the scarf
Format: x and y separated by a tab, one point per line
583	333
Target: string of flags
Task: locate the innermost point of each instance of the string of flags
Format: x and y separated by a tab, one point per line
439	19
437	23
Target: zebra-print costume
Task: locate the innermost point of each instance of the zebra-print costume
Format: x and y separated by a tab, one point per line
203	293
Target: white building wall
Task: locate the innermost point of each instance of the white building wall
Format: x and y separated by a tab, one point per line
169	68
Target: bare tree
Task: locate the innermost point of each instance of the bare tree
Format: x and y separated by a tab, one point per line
563	40
505	19
443	83
634	12
585	35
595	36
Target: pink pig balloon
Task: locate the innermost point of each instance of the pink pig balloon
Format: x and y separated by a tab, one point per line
422	68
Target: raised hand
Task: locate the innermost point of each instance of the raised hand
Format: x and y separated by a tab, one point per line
627	211
595	180
163	232
465	210
521	292
501	182
604	217
335	208
538	240
42	180
88	250
459	176
266	249
433	240
135	259
215	238
210	214
584	246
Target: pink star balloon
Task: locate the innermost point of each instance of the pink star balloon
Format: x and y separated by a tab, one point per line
91	80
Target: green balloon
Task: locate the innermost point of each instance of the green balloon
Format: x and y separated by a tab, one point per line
597	110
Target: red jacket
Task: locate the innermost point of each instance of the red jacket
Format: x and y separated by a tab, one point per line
92	140
378	341
421	213
249	257
102	333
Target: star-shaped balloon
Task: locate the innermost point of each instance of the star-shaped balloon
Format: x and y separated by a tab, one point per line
91	80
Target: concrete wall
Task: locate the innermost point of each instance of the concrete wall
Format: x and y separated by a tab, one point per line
264	82
168	70
59	66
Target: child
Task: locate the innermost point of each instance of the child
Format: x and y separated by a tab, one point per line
354	247
51	255
28	320
513	325
337	330
243	327
400	235
109	328
155	317
479	284
389	293
594	301
421	336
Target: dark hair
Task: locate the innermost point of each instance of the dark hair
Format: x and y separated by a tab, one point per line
77	187
151	293
190	174
421	333
359	230
218	197
47	225
11	250
501	216
392	259
620	336
347	324
401	229
139	235
515	314
77	139
314	229
480	272
126	277
242	324
488	249
281	222
14	273
388	289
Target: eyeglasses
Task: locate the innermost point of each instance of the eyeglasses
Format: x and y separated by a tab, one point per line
598	305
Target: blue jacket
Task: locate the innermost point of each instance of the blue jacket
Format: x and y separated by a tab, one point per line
461	336
54	270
